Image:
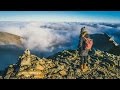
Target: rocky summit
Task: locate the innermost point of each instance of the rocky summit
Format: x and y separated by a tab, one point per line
64	65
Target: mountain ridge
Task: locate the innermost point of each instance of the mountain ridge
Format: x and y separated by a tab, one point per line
10	39
64	65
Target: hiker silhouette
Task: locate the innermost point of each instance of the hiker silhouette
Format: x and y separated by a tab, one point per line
85	45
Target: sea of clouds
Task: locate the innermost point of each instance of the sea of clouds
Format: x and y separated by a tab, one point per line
50	38
47	38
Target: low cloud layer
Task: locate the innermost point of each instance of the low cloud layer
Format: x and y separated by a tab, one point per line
53	37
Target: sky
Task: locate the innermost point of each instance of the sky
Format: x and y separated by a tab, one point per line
61	16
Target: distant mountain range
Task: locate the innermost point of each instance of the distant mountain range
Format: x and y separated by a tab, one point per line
101	41
10	39
11	47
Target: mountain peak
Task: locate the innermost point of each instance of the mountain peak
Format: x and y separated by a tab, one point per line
64	65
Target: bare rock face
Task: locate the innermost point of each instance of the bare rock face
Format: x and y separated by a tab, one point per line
10	39
103	42
64	65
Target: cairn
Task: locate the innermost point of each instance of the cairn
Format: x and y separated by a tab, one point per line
27	58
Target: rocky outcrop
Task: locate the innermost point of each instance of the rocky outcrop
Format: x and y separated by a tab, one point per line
26	59
103	42
64	65
115	50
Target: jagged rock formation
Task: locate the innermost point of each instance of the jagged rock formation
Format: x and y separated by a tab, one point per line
103	42
64	65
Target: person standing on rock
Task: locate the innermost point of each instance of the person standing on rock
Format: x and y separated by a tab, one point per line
85	45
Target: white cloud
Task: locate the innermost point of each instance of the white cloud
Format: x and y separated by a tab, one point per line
51	37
